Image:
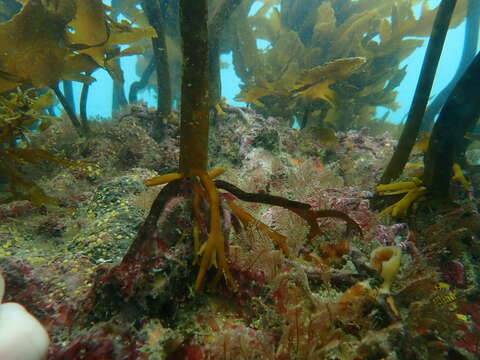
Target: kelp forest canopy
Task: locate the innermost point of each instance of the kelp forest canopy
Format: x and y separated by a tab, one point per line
327	63
330	63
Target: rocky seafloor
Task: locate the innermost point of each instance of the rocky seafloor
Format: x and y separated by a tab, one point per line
327	296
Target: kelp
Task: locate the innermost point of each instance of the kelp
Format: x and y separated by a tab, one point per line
162	54
32	50
20	112
66	40
422	93
220	12
315	83
99	34
469	49
194	181
160	59
306	35
448	143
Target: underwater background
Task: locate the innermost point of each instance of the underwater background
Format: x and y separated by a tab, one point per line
239	179
101	105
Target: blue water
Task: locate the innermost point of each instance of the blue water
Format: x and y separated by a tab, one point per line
100	99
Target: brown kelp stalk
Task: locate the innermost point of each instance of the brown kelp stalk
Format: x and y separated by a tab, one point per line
215	27
472	29
118	92
447	142
194	129
83	107
143	82
68	91
422	92
164	94
194	105
69	110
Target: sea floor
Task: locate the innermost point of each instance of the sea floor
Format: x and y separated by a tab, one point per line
360	286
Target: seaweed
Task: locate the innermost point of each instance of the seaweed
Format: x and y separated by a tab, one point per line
306	35
468	53
216	24
194	181
445	148
164	95
163	15
45	43
448	143
20	112
422	93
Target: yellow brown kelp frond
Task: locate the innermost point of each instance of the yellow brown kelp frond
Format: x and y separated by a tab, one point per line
37	48
351	33
280	69
410	26
267	28
31	43
326	24
329	31
460	177
254	94
90	29
96	34
403	23
309	85
315	83
412	189
20	187
210	252
415	188
422	143
20	111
